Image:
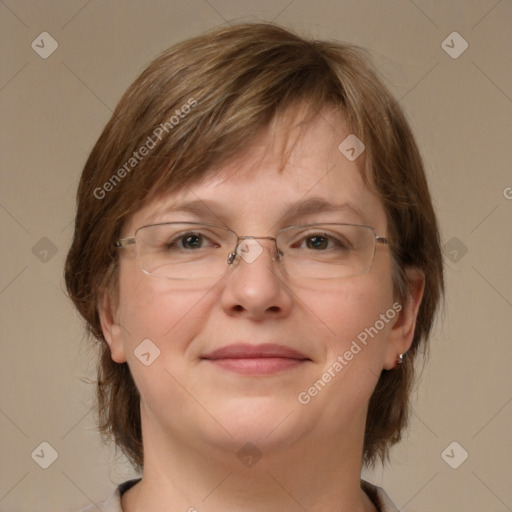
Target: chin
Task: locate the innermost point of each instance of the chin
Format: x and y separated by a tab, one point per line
263	421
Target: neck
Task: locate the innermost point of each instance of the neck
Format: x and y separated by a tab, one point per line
312	474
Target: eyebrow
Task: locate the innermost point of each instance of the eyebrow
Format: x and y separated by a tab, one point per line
319	205
207	209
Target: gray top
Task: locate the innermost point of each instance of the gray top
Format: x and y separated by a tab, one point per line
113	503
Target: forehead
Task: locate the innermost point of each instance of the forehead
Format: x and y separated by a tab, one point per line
291	170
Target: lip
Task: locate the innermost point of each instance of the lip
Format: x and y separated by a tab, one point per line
247	351
263	359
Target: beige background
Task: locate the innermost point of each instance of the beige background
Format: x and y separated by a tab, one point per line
54	109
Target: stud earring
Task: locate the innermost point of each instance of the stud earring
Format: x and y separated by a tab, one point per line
401	358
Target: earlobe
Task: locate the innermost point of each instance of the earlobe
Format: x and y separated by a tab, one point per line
402	332
111	327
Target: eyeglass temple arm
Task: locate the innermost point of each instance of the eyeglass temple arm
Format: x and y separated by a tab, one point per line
124	242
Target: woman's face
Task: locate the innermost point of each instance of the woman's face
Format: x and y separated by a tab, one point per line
273	401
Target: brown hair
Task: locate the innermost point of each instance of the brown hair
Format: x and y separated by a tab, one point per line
235	81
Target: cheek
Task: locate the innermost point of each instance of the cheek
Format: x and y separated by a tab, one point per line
170	316
359	314
355	312
166	312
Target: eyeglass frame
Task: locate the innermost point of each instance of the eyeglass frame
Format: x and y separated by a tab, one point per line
126	242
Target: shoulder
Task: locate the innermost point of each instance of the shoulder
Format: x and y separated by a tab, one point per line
113	502
110	504
379	497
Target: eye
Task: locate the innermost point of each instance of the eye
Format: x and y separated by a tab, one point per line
317	242
322	242
190	241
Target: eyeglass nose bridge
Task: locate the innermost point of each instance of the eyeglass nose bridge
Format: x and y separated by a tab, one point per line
232	255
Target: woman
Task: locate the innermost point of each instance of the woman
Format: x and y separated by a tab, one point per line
257	254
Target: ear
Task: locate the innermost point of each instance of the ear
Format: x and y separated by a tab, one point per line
402	332
112	332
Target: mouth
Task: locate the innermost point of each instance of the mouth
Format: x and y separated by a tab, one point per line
264	359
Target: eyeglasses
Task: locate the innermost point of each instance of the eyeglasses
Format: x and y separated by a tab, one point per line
192	250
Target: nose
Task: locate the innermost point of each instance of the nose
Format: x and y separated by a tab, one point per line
255	287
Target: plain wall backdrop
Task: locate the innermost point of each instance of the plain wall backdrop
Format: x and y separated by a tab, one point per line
54	106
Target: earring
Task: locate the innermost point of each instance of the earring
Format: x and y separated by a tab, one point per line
401	358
